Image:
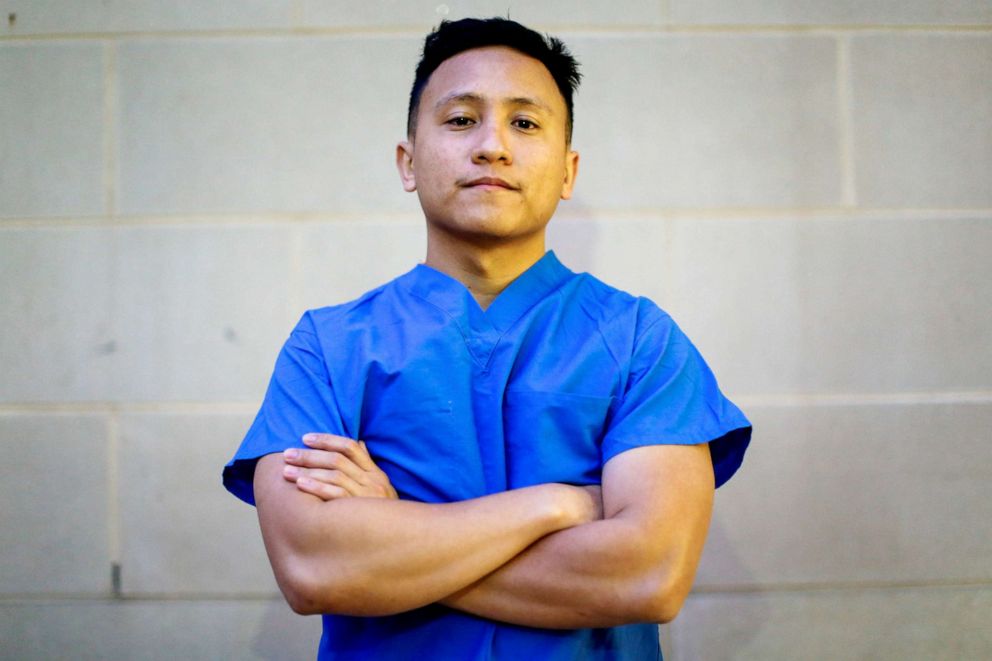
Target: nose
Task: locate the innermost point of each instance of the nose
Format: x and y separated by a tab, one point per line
492	145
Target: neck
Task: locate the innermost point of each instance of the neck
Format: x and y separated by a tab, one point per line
485	269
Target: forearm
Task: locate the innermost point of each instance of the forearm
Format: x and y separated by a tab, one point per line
635	565
594	575
365	556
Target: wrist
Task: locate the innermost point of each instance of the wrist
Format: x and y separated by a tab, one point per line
572	506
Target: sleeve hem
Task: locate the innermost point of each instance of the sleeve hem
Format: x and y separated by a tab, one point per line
239	476
728	443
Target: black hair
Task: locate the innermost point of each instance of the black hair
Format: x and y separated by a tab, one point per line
453	37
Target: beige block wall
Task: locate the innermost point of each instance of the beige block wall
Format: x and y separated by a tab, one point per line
805	186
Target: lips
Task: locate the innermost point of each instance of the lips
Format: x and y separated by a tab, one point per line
490	181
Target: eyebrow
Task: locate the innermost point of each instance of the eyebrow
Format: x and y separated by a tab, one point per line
470	97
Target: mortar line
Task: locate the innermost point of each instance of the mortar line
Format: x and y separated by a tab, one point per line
864	399
841	586
34	597
110	128
204	219
578	29
666	11
849	196
698	591
295	284
106	408
297	14
839	213
668	255
113	490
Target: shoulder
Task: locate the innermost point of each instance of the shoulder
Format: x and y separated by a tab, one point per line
332	317
612	308
337	334
359	313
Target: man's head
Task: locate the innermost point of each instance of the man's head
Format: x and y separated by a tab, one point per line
488	152
452	38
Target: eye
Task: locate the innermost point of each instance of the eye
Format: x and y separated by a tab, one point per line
460	121
525	124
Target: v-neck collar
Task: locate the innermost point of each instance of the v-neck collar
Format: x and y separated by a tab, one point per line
483	328
545	276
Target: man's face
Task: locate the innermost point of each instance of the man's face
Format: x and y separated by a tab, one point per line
489	160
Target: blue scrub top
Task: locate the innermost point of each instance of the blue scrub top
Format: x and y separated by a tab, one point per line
560	374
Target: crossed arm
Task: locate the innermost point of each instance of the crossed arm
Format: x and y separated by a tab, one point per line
552	555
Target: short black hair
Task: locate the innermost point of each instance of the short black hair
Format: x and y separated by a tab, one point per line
453	37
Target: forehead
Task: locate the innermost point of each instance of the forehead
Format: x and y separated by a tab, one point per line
493	72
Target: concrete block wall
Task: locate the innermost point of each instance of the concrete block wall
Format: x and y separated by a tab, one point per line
805	186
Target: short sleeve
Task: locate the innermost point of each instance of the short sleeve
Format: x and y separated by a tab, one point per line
299	399
672	398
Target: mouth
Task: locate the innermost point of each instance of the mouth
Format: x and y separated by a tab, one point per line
489	182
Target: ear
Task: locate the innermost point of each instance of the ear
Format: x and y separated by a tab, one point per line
404	163
571	171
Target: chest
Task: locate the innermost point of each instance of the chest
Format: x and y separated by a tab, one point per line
451	416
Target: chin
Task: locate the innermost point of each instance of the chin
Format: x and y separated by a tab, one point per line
486	232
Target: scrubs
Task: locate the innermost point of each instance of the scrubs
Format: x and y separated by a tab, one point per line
560	374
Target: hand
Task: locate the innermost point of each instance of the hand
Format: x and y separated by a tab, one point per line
336	467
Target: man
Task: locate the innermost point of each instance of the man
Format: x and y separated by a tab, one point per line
538	450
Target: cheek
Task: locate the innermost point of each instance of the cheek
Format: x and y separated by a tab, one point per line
434	167
552	182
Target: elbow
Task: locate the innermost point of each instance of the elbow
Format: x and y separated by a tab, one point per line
665	585
663	600
303	599
664	610
301	603
301	592
332	589
309	592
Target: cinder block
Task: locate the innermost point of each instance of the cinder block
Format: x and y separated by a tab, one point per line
837	12
57	312
51	131
200	310
58	17
848	494
53	485
819	305
339	13
922	119
343	260
156	630
707	121
263	124
180	312
631	253
182	532
949	624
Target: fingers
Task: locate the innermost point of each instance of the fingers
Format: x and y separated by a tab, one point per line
353	450
327	484
336	467
322	490
331	484
324	460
